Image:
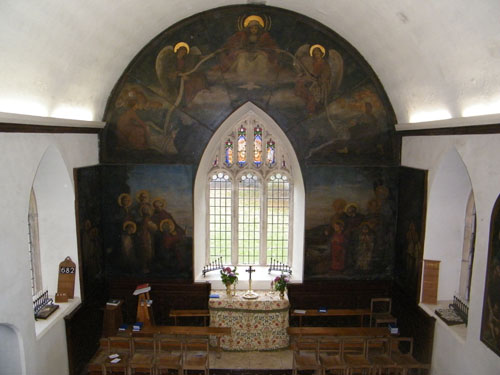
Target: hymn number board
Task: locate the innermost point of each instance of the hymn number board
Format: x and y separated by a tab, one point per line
66	281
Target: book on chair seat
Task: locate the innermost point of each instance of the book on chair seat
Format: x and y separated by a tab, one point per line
137	326
393	329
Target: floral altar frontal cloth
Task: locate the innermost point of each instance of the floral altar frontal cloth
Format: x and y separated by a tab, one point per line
257	324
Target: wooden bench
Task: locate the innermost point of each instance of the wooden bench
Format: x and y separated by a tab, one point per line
189	313
186	331
332	312
340	331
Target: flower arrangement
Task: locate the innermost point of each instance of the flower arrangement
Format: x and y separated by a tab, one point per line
228	276
280	283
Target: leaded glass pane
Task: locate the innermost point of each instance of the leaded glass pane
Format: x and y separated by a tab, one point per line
220	217
249	191
242	146
228	150
34	246
257	146
278	212
270	153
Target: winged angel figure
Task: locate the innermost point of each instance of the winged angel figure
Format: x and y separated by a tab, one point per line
320	74
176	69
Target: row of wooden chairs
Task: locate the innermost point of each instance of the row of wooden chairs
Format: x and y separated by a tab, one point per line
381	312
153	355
355	355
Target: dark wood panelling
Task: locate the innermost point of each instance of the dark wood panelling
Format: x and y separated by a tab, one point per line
30	128
414	322
338	294
335	294
456	130
165	296
83	330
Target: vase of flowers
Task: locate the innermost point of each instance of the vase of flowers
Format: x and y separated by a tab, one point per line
229	278
280	284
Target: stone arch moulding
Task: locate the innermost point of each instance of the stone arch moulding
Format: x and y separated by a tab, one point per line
247	110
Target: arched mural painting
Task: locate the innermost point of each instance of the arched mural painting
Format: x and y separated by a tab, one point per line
184	83
177	91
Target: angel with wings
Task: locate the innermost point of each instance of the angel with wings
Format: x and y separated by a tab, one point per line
319	75
177	72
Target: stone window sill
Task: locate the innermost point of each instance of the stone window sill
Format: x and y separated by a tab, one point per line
459	330
261	279
42	326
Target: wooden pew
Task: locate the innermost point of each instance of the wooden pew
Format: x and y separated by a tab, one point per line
332	312
186	330
189	313
339	331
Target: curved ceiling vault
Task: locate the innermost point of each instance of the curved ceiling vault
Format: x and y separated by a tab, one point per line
436	60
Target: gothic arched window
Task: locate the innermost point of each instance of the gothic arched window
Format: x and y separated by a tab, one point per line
250	193
34	246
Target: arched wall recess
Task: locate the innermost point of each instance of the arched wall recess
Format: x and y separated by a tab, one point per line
448	197
56	217
10	351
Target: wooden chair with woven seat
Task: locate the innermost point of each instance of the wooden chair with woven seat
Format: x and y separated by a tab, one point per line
168	354
195	354
331	356
142	358
119	349
356	356
402	354
305	355
379	354
380	312
96	363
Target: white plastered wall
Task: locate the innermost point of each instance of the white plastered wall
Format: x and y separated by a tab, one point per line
481	160
21	157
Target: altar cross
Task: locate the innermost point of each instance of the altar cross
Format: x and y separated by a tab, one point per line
250	270
250	293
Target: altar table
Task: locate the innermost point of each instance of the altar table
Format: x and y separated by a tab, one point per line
257	324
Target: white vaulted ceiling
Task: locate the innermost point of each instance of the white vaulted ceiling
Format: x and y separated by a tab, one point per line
439	58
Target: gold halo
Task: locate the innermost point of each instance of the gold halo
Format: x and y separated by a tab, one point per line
138	194
170	221
317	46
350	205
181	44
253	18
120	199
159	199
127	223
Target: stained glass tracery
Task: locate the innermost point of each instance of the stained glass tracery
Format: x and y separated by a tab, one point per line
257	146
242	146
228	152
270	153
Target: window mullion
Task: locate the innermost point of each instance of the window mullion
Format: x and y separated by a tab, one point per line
234	212
263	224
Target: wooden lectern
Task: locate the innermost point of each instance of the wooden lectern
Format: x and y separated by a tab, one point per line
144	308
112	319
